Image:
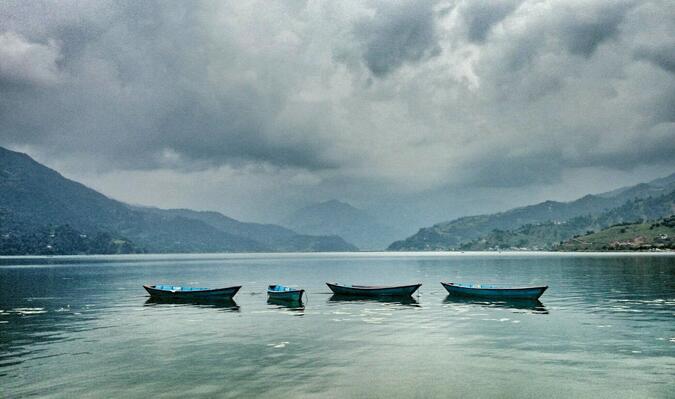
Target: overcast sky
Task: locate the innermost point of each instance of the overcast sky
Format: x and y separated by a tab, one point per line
430	109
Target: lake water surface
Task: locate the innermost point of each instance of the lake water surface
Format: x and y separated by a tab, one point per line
84	327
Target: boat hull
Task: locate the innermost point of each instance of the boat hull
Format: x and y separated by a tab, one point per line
491	292
295	295
217	293
281	293
367	291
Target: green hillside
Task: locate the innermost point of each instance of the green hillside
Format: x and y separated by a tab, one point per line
546	236
43	212
63	240
656	235
464	231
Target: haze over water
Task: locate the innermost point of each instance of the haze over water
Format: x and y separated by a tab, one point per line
84	327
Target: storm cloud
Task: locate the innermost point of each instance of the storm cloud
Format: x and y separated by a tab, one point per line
242	106
662	56
398	34
481	15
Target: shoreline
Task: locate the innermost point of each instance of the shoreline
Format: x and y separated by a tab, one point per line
392	254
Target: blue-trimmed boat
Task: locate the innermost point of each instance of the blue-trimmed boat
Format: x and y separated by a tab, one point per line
172	291
373	290
494	291
281	292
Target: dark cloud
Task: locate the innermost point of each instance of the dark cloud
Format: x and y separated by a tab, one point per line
535	31
662	56
480	16
584	32
365	101
398	34
663	111
141	91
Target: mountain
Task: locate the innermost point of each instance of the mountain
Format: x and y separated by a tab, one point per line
339	218
273	236
62	240
549	235
35	198
453	234
644	236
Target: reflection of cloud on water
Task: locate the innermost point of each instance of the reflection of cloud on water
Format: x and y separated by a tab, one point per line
279	345
27	311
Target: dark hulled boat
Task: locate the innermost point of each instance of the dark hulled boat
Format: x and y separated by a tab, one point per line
171	291
373	290
494	291
280	292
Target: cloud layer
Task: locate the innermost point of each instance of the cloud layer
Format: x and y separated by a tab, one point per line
357	100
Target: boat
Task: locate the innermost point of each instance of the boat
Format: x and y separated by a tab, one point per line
280	292
177	292
494	291
373	290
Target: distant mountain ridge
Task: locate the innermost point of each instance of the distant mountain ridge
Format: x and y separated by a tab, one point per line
454	234
340	218
654	235
34	197
550	235
271	235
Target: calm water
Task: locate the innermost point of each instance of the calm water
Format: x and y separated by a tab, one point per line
84	327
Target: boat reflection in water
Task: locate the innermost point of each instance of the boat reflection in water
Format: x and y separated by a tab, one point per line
527	305
290	305
406	301
221	304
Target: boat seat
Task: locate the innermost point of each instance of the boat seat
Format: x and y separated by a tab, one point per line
165	287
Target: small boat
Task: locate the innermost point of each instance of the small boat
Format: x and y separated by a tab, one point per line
172	291
373	290
494	291
281	292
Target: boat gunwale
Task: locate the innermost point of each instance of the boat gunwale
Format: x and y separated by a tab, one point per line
291	291
152	287
454	285
373	287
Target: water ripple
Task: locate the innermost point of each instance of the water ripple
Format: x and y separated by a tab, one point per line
89	330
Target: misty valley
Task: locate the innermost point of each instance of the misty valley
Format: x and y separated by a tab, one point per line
44	213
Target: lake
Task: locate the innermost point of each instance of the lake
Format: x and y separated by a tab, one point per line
84	327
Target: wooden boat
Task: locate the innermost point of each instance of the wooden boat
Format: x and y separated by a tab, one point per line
372	290
280	292
171	291
494	291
